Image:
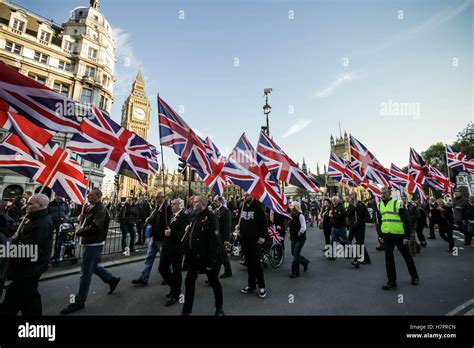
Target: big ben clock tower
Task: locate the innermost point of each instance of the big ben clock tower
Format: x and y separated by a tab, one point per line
135	117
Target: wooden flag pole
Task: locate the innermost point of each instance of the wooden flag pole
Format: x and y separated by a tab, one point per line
449	176
163	181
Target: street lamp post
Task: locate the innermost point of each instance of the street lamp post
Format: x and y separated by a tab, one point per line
267	108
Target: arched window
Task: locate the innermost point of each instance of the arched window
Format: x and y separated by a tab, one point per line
11	192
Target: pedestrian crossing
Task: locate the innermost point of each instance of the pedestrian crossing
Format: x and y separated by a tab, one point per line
466	309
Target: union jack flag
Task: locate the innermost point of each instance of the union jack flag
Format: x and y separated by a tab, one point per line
175	133
215	179
276	237
108	144
37	102
459	160
246	169
55	170
375	189
403	181
418	168
438	180
282	166
32	135
367	164
340	170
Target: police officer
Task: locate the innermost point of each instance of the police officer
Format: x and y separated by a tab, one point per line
395	228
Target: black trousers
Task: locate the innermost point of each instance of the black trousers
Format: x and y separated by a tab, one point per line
463	229
351	235
140	232
431	225
172	256
446	233
22	296
128	228
224	261
327	235
419	233
390	241
359	234
190	282
252	252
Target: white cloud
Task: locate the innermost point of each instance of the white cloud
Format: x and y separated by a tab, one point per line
297	127
340	79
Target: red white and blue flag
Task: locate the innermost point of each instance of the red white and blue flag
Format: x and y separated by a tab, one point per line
340	170
38	103
215	179
55	170
438	180
108	144
246	169
367	164
282	166
276	237
459	160
403	181
417	168
32	135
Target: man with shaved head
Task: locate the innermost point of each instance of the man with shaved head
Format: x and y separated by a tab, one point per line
23	295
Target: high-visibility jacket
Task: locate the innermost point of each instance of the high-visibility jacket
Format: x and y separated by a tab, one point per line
346	205
391	221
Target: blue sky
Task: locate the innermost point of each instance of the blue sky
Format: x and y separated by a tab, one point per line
190	62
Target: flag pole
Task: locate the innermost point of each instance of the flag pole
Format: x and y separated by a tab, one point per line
163	182
449	175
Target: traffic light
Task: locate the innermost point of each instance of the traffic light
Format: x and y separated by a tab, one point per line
191	174
116	182
182	165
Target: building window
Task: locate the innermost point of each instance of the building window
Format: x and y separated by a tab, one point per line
61	88
13	47
64	66
41	57
105	80
37	78
18	25
45	36
90	71
103	102
86	96
92	53
68	46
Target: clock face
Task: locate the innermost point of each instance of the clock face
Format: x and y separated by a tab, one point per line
139	113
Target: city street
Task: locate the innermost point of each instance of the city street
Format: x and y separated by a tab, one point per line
328	288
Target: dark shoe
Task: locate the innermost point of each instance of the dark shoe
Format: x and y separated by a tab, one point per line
366	262
219	312
140	281
305	267
226	275
164	282
431	237
113	284
423	244
247	290
171	301
389	286
355	264
415	281
168	295
72	308
294	276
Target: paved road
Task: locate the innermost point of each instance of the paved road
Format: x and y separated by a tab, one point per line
328	288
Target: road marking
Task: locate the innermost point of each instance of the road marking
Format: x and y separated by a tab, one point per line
462	307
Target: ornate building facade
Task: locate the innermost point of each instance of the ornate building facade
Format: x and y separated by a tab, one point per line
136	111
76	59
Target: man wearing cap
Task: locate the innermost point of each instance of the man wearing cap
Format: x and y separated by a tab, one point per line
396	230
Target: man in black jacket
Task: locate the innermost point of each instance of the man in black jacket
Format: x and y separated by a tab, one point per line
432	220
468	216
224	222
202	249
127	217
358	215
158	220
23	295
459	205
94	222
253	230
172	251
143	211
339	228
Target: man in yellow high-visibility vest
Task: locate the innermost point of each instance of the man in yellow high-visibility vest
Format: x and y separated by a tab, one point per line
396	230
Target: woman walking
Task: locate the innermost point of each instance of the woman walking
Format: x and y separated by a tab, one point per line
298	238
325	222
